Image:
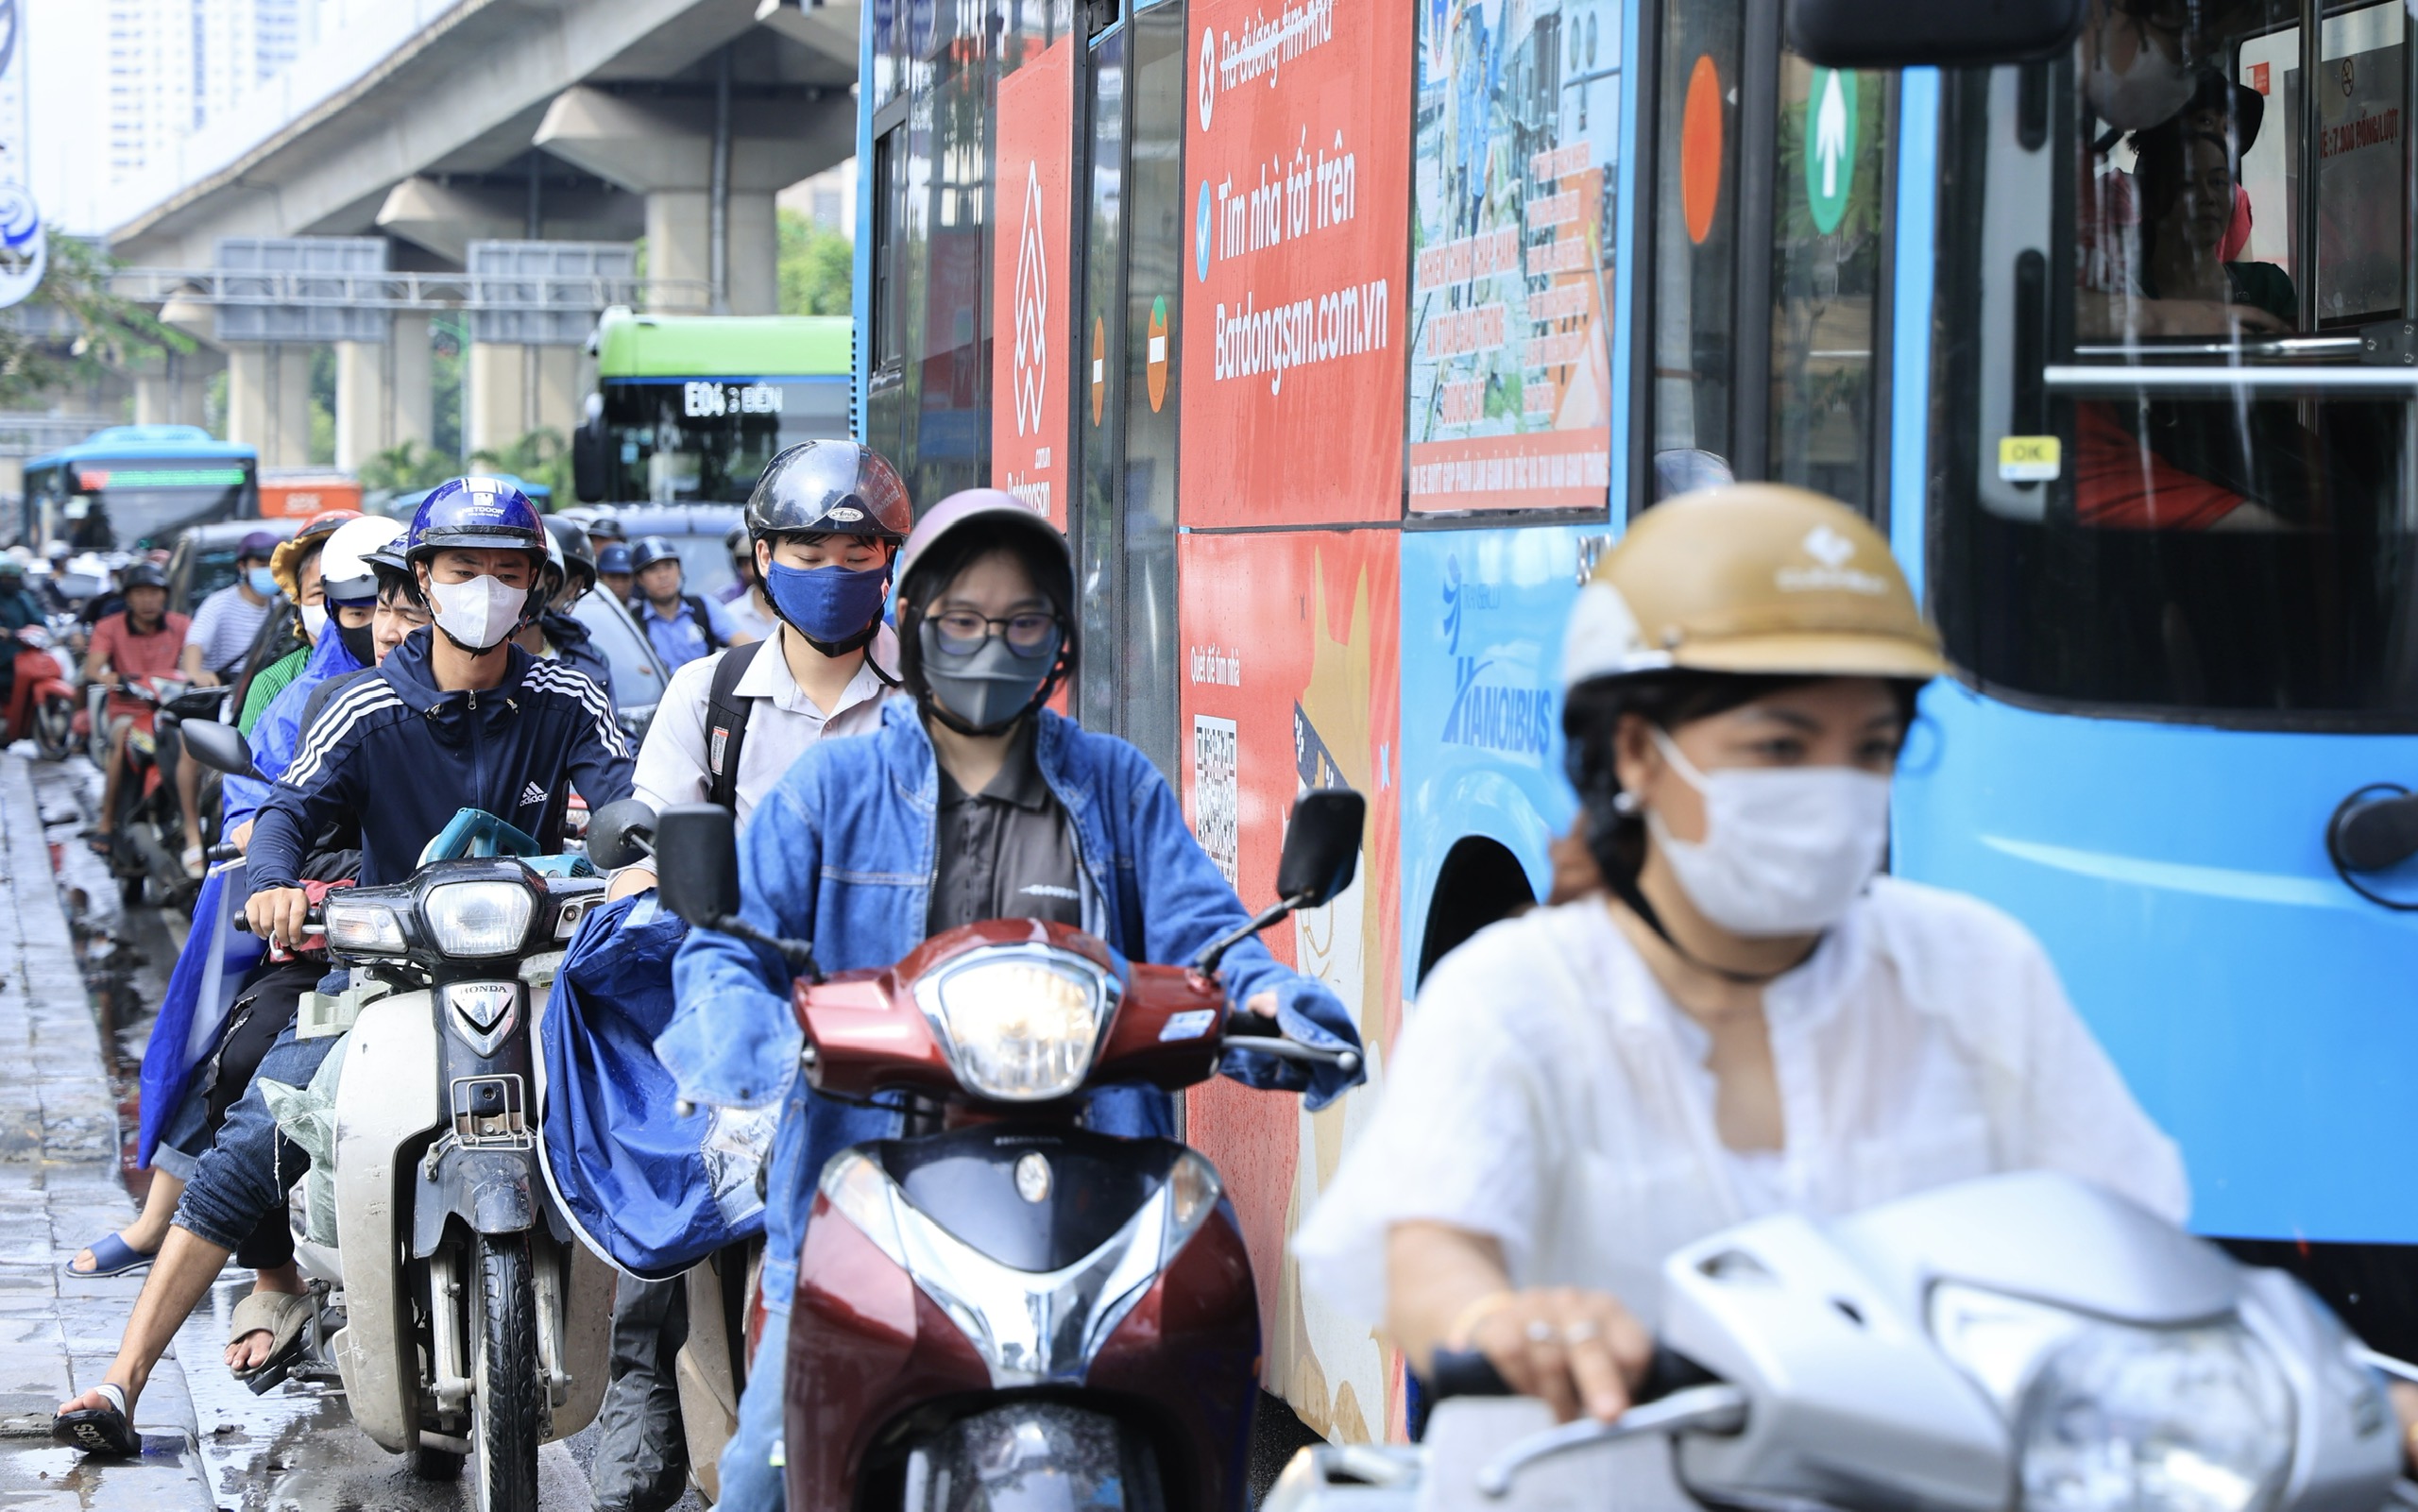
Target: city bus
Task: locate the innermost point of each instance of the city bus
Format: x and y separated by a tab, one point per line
1342	337
137	485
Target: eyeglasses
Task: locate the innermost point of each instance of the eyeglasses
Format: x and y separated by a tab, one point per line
1029	634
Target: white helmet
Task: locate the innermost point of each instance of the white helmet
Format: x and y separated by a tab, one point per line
345	573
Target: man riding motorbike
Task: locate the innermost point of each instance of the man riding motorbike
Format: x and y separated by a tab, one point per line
140	641
1752	1021
566	636
457	717
681	625
276	660
18	608
971	802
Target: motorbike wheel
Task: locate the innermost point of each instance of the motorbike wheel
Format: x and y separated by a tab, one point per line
426	1464
511	1394
55	727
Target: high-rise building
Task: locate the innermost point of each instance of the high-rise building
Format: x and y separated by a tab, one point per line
177	65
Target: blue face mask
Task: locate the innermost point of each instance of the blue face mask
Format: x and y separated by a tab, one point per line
835	609
263	582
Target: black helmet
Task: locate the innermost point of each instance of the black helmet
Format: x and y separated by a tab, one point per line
830	488
142	575
652	550
735	541
579	557
606	528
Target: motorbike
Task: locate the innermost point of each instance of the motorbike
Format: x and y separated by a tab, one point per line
473	1324
2019	1343
147	833
42	703
1002	1298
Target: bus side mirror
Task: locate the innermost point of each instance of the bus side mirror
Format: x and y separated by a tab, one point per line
587	461
1917	33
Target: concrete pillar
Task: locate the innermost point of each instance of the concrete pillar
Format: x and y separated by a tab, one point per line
363	402
559	393
248	397
154	397
290	415
755	256
680	247
497	411
411	383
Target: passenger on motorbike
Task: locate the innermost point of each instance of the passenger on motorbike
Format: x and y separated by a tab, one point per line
824	525
455	718
1752	1021
561	633
276	661
18	609
971	802
143	639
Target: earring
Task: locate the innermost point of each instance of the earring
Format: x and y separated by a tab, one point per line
1625	804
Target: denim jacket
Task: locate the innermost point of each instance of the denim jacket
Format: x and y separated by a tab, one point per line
841	853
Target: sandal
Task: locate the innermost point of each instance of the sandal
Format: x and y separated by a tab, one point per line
280	1315
105	1431
111	1256
99	843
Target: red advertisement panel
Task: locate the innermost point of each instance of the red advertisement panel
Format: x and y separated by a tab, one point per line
1291	681
1030	284
1297	146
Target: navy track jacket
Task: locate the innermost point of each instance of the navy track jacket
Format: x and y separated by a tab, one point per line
401	755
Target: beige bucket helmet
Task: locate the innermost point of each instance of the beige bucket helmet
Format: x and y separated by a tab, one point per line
1753	578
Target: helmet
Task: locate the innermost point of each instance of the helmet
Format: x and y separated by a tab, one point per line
579	557
475	514
347	566
552	573
606	528
735	541
652	550
992	511
614	557
1754	578
258	546
11	569
143	575
830	488
58	551
285	563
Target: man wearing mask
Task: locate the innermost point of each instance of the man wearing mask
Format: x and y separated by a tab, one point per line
138	641
683	627
456	717
223	627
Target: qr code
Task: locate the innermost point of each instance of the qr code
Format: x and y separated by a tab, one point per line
1217	793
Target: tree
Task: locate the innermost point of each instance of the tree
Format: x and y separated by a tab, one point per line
89	329
406	468
539	456
817	269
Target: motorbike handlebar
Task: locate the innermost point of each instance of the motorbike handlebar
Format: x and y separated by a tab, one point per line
1267	1038
1470	1373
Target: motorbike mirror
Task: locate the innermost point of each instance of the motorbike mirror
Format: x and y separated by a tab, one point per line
219	747
198	704
1321	847
622	834
1909	33
696	865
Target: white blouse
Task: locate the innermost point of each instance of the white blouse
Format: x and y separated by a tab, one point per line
1548	1092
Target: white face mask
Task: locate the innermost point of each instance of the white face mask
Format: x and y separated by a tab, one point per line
314	620
2153	88
480	613
1785	851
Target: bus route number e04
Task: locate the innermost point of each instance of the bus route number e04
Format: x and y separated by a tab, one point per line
709	401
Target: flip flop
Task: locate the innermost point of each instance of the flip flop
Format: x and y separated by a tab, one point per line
105	1431
111	1256
280	1315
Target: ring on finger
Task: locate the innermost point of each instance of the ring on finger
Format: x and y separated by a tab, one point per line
1580	1332
1541	1332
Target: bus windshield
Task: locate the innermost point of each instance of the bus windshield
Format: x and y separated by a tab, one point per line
118	504
689	441
2180	472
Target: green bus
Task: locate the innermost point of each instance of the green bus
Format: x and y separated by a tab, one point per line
689	408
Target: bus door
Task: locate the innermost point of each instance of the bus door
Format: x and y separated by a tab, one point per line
1129	235
2173	549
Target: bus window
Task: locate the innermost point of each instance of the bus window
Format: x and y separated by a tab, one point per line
697	441
1101	415
1695	171
2182	477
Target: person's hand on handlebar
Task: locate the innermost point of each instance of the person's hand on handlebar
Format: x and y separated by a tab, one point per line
1450	1290
277	915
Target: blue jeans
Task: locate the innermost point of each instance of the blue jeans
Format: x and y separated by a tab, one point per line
752	1481
244	1174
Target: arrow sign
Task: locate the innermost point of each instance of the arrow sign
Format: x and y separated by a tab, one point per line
1829	148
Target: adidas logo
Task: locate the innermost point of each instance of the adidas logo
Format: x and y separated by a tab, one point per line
532	794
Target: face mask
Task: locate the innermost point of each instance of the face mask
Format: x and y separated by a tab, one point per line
263	582
833	608
361	641
1785	851
477	614
2152	89
987	688
315	621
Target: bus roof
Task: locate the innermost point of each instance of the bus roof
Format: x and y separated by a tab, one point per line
638	346
152	440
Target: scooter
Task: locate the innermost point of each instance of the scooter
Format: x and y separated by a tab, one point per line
2020	1343
473	1322
147	832
42	703
1003	1299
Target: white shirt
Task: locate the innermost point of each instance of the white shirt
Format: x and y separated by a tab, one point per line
782	722
748	619
1548	1092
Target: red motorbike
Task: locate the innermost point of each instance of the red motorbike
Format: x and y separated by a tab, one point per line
42	703
1003	1301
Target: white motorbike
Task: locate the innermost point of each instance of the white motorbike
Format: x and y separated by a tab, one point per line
473	1323
2022	1343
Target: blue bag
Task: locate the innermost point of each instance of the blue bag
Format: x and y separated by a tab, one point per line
208	977
652	1191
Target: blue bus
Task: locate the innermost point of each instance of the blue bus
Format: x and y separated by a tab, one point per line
1342	339
137	485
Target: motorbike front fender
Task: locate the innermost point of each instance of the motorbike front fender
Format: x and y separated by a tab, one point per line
386	1107
492	1191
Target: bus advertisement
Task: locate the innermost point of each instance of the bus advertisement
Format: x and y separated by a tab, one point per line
1342	337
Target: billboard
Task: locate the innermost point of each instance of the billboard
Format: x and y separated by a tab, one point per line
1296	151
1030	290
1511	288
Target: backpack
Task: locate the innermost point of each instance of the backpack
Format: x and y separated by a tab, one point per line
705	620
726	724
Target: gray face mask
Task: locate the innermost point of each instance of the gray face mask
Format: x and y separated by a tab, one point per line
984	689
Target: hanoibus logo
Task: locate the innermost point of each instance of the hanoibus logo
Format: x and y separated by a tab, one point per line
1208	76
1032	308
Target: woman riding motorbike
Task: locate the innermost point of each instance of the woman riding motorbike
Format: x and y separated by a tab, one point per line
1752	1021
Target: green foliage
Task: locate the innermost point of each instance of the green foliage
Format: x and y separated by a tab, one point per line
539	456
323	406
449	346
103	329
406	468
817	269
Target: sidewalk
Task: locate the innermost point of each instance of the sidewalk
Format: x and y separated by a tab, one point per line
59	1190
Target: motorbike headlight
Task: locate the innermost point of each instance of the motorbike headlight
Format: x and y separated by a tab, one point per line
1020	1025
2110	1418
361	928
478	918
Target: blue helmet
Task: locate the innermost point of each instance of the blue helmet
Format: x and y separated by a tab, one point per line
475	514
613	556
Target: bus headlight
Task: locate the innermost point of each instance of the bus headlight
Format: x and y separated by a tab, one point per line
1019	1024
478	918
